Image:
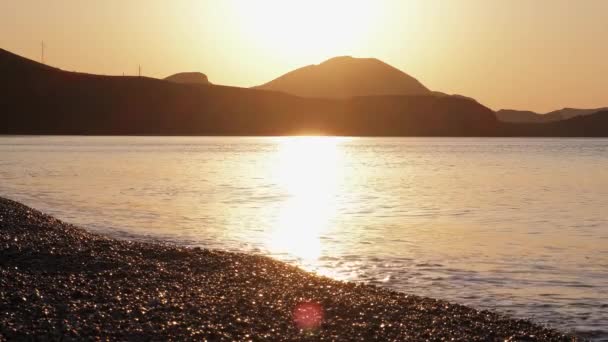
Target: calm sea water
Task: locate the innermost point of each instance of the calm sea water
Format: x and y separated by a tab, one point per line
514	225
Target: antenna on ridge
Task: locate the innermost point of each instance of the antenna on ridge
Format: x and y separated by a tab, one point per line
139	73
42	52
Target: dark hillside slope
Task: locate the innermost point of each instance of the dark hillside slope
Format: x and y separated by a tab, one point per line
344	77
594	125
37	99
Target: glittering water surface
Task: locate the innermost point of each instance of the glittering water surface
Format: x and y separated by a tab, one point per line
515	225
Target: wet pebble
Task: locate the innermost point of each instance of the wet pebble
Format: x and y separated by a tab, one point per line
58	282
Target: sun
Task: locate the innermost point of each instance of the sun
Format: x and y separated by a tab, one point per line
313	27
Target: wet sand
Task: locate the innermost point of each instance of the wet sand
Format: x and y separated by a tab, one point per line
58	281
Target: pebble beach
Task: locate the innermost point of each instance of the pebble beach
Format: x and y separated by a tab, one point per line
59	282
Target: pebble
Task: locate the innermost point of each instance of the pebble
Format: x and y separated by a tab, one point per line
59	282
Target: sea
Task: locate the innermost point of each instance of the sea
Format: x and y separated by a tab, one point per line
514	225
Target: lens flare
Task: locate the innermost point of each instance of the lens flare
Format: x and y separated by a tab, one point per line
308	316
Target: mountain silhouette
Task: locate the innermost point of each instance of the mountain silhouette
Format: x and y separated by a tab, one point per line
568	113
189	78
589	125
343	77
439	93
507	115
38	99
524	116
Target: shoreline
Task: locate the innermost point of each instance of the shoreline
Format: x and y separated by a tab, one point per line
59	281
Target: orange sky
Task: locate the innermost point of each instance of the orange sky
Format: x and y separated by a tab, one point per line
522	54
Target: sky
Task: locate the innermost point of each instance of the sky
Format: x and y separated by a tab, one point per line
536	55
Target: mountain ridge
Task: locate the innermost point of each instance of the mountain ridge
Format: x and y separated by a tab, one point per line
189	78
523	116
591	125
346	76
38	99
42	100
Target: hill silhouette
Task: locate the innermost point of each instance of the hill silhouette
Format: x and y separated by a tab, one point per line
524	116
568	113
189	78
41	100
591	125
507	115
38	99
343	77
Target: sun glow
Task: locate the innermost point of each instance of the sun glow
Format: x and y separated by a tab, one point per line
311	28
309	169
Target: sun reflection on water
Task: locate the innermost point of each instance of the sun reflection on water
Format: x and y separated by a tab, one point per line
309	169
